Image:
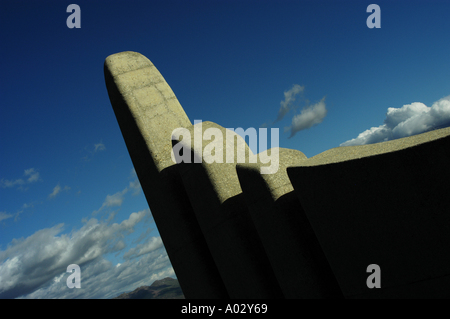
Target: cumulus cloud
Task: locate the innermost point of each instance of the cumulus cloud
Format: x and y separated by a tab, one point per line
100	279
410	119
35	267
30	176
309	116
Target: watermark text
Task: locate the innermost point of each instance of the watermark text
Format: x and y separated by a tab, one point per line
213	152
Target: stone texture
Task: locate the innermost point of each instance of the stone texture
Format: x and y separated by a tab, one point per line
147	112
217	200
384	204
310	229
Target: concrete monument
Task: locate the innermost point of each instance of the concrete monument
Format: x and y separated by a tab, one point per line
147	112
310	229
385	204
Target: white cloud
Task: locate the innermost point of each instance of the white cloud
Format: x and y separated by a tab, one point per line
308	117
410	119
150	245
31	177
99	147
136	186
8	183
35	267
113	200
55	192
57	189
101	279
289	98
4	215
118	198
133	219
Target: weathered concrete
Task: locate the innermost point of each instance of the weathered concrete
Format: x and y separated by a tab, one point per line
147	112
231	231
385	204
217	199
288	239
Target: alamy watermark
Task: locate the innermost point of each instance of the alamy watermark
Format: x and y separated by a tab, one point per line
74	280
374	20
73	20
374	280
213	152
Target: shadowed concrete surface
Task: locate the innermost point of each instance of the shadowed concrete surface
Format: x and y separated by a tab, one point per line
289	241
216	197
309	229
147	111
384	204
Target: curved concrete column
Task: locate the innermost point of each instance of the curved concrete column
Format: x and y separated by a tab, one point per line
147	112
213	188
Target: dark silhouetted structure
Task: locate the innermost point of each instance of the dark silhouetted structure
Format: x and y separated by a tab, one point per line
309	229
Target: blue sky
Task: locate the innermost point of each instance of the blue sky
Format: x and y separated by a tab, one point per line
68	190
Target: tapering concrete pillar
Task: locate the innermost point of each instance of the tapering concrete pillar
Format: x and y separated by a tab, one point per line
216	196
384	204
147	112
288	239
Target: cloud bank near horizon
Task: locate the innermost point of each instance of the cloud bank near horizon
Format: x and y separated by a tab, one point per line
410	119
35	267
